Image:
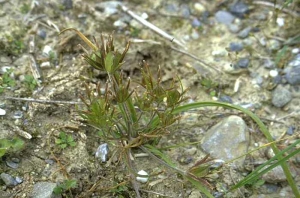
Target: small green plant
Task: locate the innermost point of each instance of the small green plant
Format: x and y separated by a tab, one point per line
30	82
210	86
24	9
15	44
67	185
65	140
52	56
6	81
10	145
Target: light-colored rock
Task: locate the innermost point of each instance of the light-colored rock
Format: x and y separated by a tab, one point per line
2	112
44	190
227	140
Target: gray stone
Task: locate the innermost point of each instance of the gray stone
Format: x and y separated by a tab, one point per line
185	11
293	75
2	112
42	33
225	98
224	17
239	9
171	8
243	62
8	180
275	175
290	130
236	47
5	59
227	140
18	115
274	45
233	28
12	164
295	62
281	96
244	32
195	35
268	64
68	4
108	8
268	188
196	23
44	190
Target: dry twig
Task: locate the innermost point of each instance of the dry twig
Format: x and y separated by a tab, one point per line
152	27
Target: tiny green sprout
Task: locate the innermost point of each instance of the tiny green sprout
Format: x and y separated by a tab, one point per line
30	82
52	56
65	140
65	186
24	9
6	81
13	145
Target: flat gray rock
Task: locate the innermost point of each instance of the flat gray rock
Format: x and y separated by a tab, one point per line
224	17
44	190
281	96
227	140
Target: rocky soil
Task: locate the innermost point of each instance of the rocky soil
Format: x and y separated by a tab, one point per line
241	52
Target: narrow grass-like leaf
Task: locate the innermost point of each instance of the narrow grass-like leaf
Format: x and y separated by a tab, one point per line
86	40
200	186
262	169
157	152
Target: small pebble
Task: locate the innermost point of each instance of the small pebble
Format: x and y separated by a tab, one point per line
269	64
47	49
120	24
293	75
199	7
259	80
277	80
239	9
280	21
219	53
295	62
42	34
142	179
273	73
102	152
185	11
225	98
8	180
195	35
5	69
18	115
295	50
49	161
233	28
68	4
243	63
19	180
274	45
290	130
46	64
196	23
281	96
12	164
244	33
224	17
2	112
236	47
